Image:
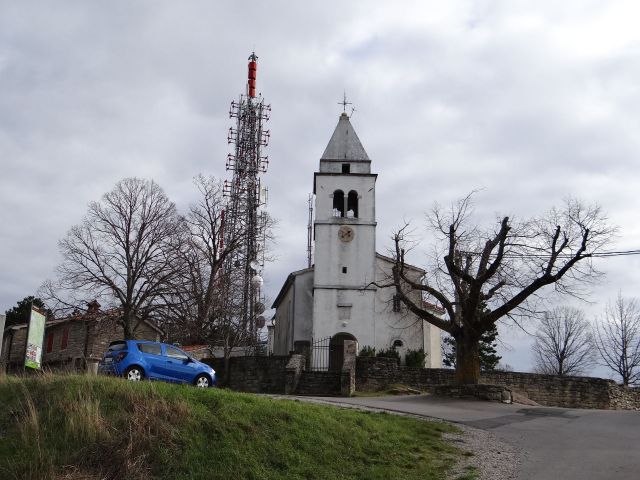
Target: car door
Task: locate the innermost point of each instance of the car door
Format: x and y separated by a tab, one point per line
179	366
153	359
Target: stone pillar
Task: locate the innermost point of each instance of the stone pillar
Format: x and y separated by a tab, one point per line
303	347
348	374
92	366
293	371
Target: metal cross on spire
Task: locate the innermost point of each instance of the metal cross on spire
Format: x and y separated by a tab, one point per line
344	104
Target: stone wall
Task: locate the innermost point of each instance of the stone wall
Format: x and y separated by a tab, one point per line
275	374
319	383
261	374
61	354
624	398
492	393
293	371
374	374
553	390
379	373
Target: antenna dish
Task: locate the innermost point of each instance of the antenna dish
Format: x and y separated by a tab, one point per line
254	264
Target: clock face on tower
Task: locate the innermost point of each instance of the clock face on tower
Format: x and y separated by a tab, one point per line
346	234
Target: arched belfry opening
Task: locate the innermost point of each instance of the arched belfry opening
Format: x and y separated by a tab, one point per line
338	203
352	204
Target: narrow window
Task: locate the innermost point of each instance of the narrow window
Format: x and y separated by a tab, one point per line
346	168
344	269
65	338
338	203
396	303
352	204
50	337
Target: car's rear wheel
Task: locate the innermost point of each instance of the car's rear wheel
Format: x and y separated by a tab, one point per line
134	373
202	381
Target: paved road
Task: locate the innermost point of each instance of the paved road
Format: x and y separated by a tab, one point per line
561	443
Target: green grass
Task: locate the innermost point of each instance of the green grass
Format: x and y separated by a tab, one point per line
80	427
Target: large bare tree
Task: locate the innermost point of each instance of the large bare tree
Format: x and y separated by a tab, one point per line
195	302
201	309
618	339
563	343
480	276
127	251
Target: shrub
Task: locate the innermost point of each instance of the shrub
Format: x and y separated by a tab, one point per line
367	351
415	358
389	353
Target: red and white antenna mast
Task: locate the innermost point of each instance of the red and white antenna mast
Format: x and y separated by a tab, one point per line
253	67
245	218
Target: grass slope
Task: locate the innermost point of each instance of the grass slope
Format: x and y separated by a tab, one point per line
80	427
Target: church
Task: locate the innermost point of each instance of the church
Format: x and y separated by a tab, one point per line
341	297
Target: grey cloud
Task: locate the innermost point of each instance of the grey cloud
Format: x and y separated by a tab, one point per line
448	100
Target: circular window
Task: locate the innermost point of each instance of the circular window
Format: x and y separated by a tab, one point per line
398	344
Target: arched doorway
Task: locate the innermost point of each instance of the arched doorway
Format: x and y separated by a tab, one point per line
336	350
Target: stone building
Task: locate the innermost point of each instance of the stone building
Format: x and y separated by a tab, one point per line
74	342
337	298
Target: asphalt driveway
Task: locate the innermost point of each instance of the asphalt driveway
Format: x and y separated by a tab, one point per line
561	443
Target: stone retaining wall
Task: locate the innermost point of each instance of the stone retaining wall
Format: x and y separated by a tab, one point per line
557	391
276	374
379	373
284	374
492	393
373	374
319	383
624	398
259	374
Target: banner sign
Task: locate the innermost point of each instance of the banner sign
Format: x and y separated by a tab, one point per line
2	320
35	337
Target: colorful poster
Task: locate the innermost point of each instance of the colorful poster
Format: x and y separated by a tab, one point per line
35	337
2	320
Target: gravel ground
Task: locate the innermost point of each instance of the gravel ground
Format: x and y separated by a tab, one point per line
492	458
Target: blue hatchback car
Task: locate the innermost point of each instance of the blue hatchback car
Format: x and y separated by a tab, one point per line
139	359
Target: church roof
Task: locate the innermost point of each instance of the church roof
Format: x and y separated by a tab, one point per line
288	282
406	265
344	143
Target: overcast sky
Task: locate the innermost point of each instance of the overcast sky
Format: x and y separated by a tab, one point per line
530	102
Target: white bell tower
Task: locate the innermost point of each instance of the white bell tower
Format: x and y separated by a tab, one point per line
345	239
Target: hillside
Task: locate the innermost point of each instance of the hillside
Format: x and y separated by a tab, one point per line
79	427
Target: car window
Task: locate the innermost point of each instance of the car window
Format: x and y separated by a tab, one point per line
173	352
115	346
150	348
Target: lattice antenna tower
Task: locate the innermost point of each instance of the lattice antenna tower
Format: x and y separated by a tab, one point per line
246	196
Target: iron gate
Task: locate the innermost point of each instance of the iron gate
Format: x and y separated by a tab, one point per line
326	356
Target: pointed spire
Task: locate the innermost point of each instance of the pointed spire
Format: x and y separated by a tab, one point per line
344	143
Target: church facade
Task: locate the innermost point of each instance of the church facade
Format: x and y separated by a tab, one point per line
342	297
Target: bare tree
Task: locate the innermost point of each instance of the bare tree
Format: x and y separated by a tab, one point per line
618	339
127	251
481	276
195	302
200	310
564	342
